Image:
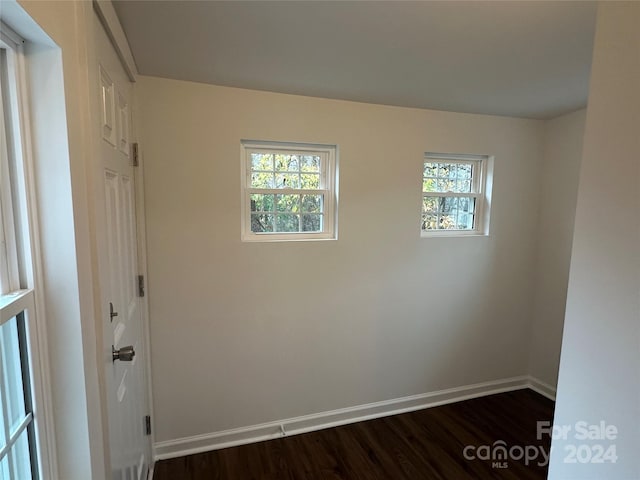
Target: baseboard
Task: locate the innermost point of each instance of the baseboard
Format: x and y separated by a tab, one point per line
343	416
542	388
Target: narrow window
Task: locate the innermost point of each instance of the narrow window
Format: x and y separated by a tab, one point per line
288	191
454	194
19	452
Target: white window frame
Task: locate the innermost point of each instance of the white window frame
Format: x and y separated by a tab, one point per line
328	188
480	192
22	282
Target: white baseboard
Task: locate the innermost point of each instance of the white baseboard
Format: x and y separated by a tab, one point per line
542	388
334	418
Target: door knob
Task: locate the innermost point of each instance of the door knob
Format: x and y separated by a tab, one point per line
124	354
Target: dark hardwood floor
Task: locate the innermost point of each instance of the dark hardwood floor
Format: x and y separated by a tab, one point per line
428	444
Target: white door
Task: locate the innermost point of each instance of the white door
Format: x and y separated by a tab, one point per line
116	228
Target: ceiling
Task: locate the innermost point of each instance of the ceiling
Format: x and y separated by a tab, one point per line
525	59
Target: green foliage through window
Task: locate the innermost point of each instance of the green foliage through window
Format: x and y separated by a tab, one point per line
286	213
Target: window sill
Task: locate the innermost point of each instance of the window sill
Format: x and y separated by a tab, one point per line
270	238
453	234
11	304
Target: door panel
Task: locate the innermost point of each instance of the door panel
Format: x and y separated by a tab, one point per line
117	244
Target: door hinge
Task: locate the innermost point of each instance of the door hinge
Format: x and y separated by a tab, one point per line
147	425
141	285
134	154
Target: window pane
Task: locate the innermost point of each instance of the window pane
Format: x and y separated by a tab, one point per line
443	170
465	221
262	161
281	170
429	185
447	177
287	180
262	180
310	163
312	203
22	458
430	169
12	371
466	204
261	203
288	163
448	213
447	222
262	222
287	223
448	204
4	467
311	223
464	170
445	185
463	186
450	170
429	204
288	203
430	222
310	181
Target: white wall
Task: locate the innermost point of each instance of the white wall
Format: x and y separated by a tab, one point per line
562	152
244	333
600	368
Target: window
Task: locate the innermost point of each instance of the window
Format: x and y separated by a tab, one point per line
289	191
454	194
17	434
19	423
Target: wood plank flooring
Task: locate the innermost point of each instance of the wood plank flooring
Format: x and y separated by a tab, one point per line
427	444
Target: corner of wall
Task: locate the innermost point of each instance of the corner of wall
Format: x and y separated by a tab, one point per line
561	149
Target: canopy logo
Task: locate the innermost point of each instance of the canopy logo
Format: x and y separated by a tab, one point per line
499	454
